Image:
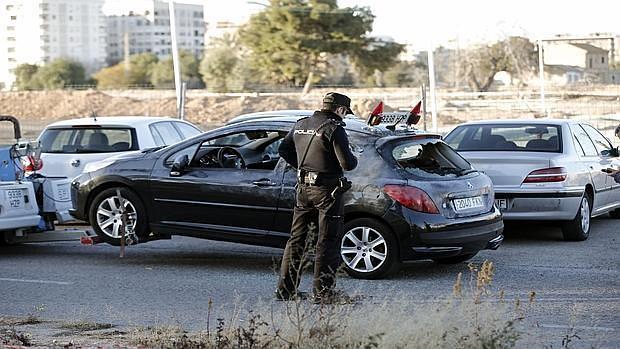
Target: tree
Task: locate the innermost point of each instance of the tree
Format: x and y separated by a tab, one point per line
219	65
24	74
290	41
163	71
141	68
139	72
406	74
515	55
112	77
59	73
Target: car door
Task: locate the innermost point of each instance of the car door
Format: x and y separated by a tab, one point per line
592	163
284	216
604	159
237	204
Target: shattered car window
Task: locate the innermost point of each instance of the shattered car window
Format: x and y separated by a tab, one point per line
429	158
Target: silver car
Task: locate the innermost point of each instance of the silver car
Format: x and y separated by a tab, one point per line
544	169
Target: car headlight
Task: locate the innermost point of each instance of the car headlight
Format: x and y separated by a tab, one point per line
97	165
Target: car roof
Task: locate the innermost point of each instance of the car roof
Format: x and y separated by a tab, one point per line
131	121
543	121
297	113
353	123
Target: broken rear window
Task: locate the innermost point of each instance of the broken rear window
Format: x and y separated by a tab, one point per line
429	158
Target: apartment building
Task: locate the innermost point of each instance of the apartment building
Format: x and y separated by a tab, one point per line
577	62
144	26
39	31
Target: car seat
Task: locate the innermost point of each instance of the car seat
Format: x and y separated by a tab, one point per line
538	144
98	141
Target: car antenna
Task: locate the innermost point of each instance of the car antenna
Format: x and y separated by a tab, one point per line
93	115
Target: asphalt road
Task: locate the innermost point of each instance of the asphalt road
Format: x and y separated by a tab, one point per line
171	281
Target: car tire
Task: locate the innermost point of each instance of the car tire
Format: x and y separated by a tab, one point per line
105	219
615	213
362	259
455	259
578	229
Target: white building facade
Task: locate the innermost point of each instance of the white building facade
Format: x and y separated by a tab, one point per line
145	27
39	31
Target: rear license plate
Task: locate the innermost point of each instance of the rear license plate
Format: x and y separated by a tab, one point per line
468	203
63	194
502	204
15	198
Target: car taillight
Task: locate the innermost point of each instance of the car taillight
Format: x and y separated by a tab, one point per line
411	197
546	175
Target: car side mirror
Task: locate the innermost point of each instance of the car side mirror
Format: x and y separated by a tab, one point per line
614	152
179	165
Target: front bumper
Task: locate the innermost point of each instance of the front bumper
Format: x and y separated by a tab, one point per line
532	205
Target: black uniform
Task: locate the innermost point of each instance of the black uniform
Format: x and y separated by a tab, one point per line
319	148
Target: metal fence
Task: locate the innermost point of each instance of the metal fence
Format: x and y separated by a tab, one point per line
598	105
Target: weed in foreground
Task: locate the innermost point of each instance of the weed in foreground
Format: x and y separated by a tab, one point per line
470	318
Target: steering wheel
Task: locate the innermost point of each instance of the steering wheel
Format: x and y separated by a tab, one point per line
229	157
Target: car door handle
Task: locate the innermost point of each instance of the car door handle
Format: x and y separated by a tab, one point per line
264	183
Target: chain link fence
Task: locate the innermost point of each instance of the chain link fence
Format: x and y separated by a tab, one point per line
598	105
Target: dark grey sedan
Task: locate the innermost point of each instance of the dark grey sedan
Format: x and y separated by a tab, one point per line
413	197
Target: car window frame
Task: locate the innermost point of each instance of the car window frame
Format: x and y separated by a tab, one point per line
153	125
176	124
585	128
586	155
77	136
261	129
471	130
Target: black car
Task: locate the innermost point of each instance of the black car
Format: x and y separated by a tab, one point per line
413	197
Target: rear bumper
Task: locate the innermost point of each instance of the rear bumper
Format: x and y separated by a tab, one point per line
446	239
11	223
556	205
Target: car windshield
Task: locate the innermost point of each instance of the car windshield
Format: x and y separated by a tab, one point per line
88	140
428	158
510	137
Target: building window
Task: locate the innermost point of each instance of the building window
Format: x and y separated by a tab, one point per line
602	59
10	38
590	65
11	49
13	18
10	28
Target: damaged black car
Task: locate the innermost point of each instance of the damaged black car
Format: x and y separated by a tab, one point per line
413	197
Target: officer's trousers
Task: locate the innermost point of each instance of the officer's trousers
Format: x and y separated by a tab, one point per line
314	204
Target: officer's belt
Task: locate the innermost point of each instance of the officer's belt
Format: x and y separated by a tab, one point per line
317	178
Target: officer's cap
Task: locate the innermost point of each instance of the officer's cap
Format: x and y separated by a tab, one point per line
338	99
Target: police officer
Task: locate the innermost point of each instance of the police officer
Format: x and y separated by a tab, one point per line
616	173
318	148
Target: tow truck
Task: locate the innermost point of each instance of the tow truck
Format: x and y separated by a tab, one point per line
31	204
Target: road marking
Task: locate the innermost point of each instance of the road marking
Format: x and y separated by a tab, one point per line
38	281
596	328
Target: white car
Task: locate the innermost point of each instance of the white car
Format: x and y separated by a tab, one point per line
67	146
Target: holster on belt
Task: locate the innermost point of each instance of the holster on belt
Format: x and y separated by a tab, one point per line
343	186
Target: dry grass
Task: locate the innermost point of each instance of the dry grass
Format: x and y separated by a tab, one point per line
471	318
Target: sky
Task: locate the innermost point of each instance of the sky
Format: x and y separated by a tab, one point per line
421	24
